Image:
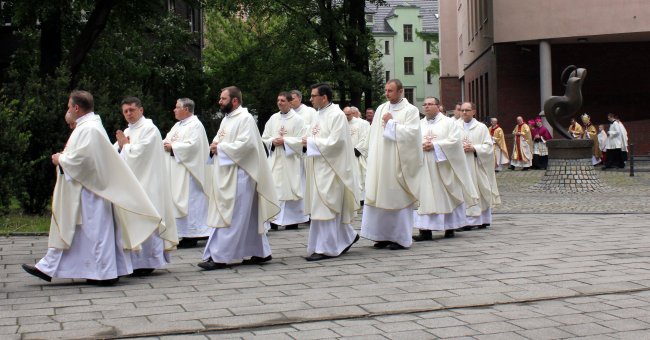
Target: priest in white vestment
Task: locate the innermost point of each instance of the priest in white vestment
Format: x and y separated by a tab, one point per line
446	186
187	150
140	145
308	114
282	139
240	188
479	152
99	209
359	133
332	192
392	179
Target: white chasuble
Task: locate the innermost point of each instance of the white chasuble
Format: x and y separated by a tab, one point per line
186	176
332	190
332	186
481	166
446	186
287	165
360	133
392	177
90	162
240	144
308	115
145	156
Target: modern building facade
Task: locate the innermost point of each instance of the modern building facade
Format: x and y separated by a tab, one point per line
397	27
508	57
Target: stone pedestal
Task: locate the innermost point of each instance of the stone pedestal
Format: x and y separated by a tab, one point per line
569	168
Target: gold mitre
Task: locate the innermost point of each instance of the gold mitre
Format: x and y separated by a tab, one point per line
585	118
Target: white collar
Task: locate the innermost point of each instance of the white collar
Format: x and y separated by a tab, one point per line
138	123
85	117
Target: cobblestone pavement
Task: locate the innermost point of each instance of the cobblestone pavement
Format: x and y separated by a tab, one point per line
536	276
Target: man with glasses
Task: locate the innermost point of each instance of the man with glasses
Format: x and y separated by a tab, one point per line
479	153
445	175
392	179
332	191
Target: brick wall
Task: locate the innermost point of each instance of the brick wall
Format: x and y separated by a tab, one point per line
449	92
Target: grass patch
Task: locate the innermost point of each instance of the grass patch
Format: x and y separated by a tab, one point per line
19	223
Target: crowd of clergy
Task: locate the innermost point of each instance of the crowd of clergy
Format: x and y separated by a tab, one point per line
119	208
609	148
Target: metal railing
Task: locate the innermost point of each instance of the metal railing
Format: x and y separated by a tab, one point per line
634	159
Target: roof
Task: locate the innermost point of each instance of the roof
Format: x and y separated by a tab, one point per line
383	12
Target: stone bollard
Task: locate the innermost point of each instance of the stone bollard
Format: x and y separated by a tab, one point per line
569	168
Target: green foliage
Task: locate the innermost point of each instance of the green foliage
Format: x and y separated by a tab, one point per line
265	47
434	65
142	51
13	143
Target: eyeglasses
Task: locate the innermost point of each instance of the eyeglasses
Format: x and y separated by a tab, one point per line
466	110
317	95
429	104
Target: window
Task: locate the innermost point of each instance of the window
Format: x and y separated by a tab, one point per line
428	47
408	65
189	14
387	76
370	18
408	32
386	47
429	76
409	94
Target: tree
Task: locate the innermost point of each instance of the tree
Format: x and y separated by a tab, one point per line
333	31
113	48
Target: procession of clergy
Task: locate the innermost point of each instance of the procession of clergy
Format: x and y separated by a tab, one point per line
118	209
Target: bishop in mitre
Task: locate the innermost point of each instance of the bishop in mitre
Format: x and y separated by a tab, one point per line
479	153
394	163
99	209
332	192
590	132
359	133
282	138
241	190
445	175
140	145
187	150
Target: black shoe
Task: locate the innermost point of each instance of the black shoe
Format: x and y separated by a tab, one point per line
188	242
103	283
317	257
525	169
484	226
450	234
142	272
257	260
32	270
211	265
292	227
466	228
395	246
362	202
382	244
274	226
425	235
356	239
512	167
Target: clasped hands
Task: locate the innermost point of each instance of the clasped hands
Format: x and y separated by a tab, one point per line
121	138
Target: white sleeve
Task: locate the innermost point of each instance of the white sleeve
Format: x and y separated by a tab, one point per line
223	158
288	150
390	130
440	155
312	150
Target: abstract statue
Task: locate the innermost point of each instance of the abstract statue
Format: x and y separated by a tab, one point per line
564	107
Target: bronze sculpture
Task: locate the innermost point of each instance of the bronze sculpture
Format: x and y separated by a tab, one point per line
558	108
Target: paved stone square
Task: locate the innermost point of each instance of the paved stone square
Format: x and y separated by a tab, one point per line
549	267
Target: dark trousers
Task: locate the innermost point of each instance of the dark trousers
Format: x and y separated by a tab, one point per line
614	159
540	162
